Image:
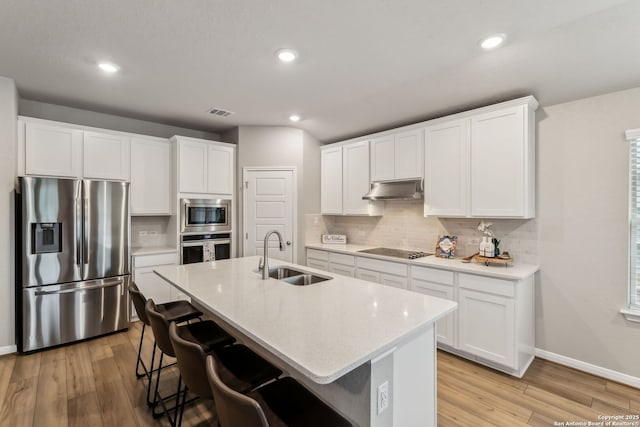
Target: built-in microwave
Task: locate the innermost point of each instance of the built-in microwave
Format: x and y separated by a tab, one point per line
205	215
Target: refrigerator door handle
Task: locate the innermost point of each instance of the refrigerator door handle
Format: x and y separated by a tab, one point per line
78	225
86	232
88	288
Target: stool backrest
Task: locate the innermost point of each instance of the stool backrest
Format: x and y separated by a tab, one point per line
160	327
233	408
139	302
191	362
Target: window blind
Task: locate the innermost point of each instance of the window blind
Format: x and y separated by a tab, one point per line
634	222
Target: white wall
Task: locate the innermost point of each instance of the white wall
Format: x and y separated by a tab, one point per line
77	116
582	216
281	146
8	130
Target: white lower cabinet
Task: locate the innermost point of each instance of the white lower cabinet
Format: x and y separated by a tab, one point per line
487	326
494	322
150	284
437	283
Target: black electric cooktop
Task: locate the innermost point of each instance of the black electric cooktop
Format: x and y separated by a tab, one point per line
396	253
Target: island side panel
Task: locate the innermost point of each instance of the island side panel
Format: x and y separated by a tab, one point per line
414	376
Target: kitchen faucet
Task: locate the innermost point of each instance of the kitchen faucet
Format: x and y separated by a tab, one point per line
265	263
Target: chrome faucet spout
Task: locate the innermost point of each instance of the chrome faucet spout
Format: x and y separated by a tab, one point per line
265	264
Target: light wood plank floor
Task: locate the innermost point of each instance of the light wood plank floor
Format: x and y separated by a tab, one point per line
92	384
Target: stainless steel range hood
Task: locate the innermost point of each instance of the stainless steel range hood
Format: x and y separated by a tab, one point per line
395	190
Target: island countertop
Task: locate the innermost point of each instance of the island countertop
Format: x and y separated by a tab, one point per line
324	330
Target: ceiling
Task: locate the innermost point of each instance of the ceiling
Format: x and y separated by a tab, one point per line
364	65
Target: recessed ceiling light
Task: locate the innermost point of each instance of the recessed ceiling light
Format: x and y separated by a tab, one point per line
108	67
294	118
287	55
493	41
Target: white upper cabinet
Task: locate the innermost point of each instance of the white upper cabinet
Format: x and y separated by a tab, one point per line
355	178
331	180
106	156
205	167
150	176
482	163
220	169
446	169
502	164
50	150
345	179
397	156
66	150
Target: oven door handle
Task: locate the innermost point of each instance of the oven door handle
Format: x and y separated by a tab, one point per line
192	244
221	242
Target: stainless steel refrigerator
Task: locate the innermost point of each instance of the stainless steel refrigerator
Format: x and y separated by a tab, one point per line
73	266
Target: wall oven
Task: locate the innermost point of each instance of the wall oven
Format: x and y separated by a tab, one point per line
205	215
204	247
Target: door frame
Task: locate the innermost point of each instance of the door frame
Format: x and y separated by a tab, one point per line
294	187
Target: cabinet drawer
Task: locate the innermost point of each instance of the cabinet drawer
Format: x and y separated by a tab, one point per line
383	266
342	259
368	275
314	253
153	260
487	284
432	275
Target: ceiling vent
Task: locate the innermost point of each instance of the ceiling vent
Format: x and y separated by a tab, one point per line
220	112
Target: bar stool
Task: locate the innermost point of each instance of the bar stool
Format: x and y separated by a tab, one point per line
283	402
241	368
177	311
206	334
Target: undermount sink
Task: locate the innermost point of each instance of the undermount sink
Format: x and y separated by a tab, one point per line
295	277
283	272
305	279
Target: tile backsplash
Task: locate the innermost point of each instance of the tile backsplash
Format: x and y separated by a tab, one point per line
404	226
151	231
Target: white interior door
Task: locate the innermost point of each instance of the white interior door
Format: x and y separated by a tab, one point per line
268	205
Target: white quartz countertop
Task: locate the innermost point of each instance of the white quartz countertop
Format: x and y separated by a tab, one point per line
513	271
323	330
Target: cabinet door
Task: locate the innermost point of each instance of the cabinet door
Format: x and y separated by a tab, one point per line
408	158
393	281
368	275
382	158
52	150
345	270
355	178
150	177
445	329
106	156
331	181
446	169
498	163
192	166
319	264
486	326
220	169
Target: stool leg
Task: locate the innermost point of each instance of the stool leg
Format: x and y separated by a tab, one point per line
140	362
153	357
155	394
179	408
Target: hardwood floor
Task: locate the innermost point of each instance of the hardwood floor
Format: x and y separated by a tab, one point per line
93	384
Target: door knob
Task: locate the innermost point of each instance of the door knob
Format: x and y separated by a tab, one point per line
288	242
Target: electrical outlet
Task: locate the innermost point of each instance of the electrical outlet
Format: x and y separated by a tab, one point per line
383	397
153	233
474	241
143	233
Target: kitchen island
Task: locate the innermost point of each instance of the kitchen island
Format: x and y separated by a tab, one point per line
346	339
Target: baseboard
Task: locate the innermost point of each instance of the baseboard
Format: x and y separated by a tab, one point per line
589	368
8	349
